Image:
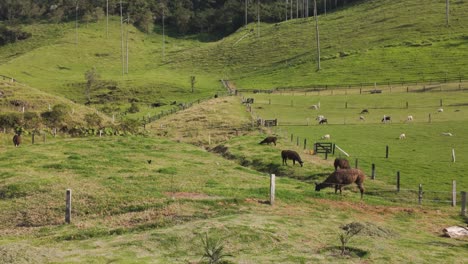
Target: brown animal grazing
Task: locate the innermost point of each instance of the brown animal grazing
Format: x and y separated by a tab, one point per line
17	140
269	140
342	163
292	155
342	177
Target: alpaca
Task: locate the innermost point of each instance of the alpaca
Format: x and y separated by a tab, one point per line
323	121
269	140
342	177
292	155
17	139
341	163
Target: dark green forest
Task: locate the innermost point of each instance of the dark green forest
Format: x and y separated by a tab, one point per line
215	17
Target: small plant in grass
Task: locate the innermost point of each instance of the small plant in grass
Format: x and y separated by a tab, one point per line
349	231
213	250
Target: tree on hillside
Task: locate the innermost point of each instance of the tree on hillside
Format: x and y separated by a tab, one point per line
91	77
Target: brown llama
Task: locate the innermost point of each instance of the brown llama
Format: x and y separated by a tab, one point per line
17	140
292	155
342	177
269	140
341	163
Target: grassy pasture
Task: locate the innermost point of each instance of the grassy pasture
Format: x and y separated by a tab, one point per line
424	157
128	210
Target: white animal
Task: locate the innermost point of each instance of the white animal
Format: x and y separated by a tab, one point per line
320	117
440	110
315	107
409	118
402	136
447	134
326	136
362	118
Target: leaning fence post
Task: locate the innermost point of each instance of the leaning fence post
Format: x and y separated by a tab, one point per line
398	181
272	189
373	171
68	206
420	194
454	193
463	203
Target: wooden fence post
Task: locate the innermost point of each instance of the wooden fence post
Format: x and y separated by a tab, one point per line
272	189
407	105
454	193
373	171
297	141
430	119
453	155
356	163
463	203
420	194
386	152
292	137
305	143
68	200
440	102
398	181
32	138
44	137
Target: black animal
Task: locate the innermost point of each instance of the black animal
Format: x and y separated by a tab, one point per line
292	155
364	111
341	163
386	118
269	140
17	139
323	121
342	177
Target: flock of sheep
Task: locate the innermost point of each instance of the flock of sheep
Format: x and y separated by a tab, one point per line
343	174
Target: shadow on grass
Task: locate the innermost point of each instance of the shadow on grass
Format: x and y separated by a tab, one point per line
350	252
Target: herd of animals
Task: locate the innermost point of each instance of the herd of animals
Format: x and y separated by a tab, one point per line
343	174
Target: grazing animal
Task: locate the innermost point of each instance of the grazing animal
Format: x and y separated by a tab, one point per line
149	161
314	107
320	117
364	111
17	139
409	118
269	140
342	177
440	110
362	118
402	136
386	118
292	155
326	136
447	134
341	163
323	121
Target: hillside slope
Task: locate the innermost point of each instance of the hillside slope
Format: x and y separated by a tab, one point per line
373	41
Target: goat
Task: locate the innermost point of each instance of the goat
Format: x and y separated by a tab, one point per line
314	107
386	118
342	177
292	155
323	121
402	136
361	118
320	117
341	163
364	111
326	136
440	110
269	140
409	118
17	139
